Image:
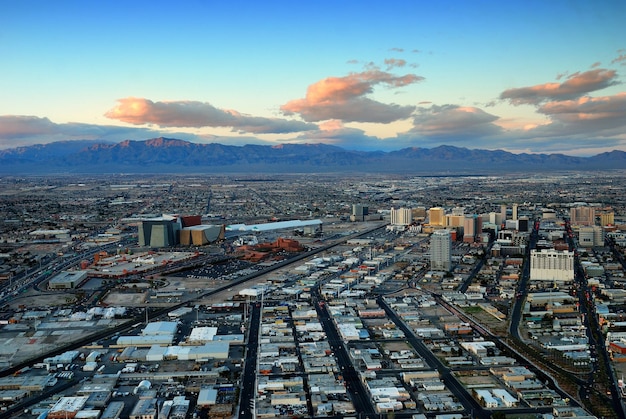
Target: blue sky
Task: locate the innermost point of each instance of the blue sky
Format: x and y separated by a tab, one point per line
522	76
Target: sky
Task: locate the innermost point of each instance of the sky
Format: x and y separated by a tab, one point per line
521	76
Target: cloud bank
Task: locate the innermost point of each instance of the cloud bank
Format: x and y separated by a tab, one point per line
193	114
347	111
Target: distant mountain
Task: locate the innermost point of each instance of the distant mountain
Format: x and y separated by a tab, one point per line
164	155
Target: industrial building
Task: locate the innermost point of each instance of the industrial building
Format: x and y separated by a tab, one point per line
308	227
67	407
551	265
144	409
67	280
207	397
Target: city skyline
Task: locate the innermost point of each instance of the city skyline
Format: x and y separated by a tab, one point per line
522	77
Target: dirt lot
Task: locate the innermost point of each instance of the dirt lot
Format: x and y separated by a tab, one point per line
41	299
119	298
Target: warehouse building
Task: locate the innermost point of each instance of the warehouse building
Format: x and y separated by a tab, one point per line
67	407
67	280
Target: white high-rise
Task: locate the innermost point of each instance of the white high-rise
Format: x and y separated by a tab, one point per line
441	250
401	216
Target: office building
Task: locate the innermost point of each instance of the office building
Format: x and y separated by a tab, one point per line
523	224
590	236
514	213
441	250
359	211
495	218
472	227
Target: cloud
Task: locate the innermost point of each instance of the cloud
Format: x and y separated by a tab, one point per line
454	122
601	116
345	98
20	126
575	86
193	114
335	133
588	108
620	59
394	62
23	130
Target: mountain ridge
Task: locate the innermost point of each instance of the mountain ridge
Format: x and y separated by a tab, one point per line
164	155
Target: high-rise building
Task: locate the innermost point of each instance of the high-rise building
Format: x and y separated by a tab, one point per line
523	224
441	250
551	265
401	216
359	211
590	236
514	213
437	216
419	213
472	227
503	212
582	216
607	218
495	218
458	211
454	220
160	232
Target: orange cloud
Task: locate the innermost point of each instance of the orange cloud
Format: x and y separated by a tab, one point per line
140	111
576	85
344	98
588	109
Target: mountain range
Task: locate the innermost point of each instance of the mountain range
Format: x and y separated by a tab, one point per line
164	155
